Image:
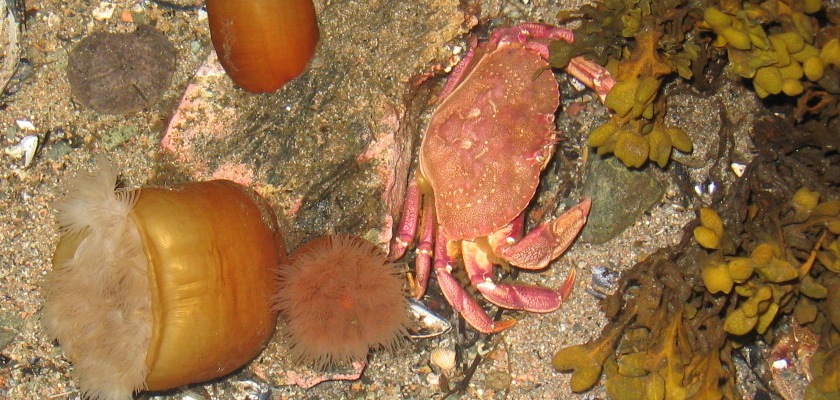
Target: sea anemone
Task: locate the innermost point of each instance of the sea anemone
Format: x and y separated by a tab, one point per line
340	298
156	288
262	44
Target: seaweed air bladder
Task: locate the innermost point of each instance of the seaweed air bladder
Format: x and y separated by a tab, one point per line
156	288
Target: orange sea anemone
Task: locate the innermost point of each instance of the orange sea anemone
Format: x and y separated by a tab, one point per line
340	297
262	44
156	288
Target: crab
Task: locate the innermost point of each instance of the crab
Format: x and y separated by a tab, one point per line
487	142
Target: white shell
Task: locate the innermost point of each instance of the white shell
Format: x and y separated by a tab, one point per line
424	322
443	358
738	169
104	11
25	149
30	147
25	124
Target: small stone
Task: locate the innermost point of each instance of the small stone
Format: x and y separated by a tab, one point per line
117	136
126	16
623	195
498	380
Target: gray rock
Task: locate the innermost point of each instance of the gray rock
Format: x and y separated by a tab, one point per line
620	196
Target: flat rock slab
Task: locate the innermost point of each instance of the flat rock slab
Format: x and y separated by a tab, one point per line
329	149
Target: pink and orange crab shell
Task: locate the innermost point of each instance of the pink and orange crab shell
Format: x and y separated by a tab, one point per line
486	144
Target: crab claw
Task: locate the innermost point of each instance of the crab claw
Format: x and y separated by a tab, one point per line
466	305
549	240
461	302
530	298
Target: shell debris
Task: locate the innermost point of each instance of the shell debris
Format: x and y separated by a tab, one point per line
443	358
424	322
26	149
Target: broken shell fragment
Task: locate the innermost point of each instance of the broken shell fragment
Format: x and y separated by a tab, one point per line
26	149
156	288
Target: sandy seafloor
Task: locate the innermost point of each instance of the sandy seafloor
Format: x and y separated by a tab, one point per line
517	365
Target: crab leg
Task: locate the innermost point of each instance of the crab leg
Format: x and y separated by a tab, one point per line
589	72
463	303
408	229
592	75
408	225
547	241
515	297
459	70
422	264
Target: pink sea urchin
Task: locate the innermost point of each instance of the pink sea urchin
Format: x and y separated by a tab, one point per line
340	297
